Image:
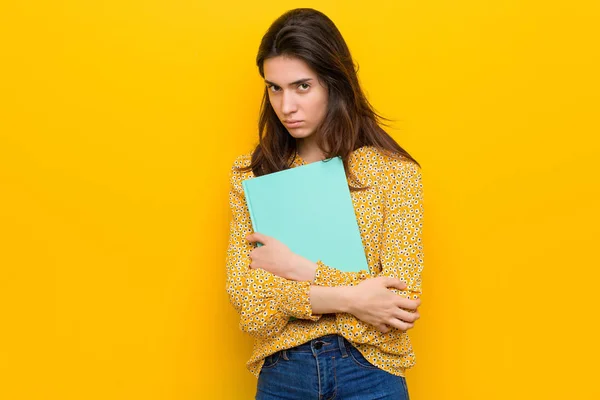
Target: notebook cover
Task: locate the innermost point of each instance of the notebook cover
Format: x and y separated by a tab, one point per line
309	209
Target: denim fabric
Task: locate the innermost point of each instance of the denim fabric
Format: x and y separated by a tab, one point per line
326	368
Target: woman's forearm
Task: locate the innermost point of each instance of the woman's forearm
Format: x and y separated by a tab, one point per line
327	300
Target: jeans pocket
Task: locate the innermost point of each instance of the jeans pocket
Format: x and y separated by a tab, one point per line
271	360
359	359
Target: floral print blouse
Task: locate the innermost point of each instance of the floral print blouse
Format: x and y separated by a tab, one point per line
390	220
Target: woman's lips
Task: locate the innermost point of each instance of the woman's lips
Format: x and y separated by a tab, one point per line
293	124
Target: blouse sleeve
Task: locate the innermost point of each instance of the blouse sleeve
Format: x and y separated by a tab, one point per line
265	302
401	250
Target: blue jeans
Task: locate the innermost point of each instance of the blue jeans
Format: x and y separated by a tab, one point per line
326	368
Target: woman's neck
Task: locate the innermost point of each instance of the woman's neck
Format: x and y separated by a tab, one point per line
309	151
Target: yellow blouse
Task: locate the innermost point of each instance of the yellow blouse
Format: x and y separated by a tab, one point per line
390	219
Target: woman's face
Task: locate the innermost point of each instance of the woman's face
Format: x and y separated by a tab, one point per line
295	94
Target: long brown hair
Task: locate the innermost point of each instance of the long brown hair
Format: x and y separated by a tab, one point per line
350	121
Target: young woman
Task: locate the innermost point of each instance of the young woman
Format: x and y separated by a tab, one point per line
349	337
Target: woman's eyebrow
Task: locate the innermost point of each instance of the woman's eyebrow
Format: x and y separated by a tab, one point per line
299	81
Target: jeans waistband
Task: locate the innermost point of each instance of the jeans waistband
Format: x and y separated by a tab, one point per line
323	344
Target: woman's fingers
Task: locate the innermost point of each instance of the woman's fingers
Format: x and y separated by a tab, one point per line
398	324
406	316
408	304
258	237
382	308
401	319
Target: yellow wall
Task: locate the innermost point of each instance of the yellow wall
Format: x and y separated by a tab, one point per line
119	121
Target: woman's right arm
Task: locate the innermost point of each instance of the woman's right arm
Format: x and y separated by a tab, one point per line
265	302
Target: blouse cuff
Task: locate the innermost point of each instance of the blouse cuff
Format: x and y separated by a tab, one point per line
295	300
329	276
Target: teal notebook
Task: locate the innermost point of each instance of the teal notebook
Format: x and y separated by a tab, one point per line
310	210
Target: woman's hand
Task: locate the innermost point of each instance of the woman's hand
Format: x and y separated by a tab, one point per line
277	258
373	303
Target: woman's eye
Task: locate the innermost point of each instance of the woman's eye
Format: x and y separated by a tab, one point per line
274	88
304	86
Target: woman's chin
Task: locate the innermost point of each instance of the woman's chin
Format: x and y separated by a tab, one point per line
299	133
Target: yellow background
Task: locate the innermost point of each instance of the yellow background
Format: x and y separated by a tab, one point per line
119	121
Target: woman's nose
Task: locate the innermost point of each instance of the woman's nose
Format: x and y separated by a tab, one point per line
288	103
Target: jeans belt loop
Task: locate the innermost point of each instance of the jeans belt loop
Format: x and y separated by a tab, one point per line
342	346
